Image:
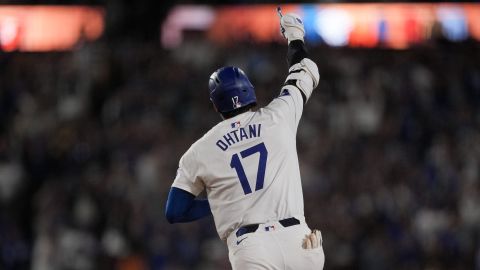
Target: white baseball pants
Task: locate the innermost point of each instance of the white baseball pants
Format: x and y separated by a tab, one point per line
274	247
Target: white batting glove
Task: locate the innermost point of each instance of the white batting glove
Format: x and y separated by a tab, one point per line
312	240
291	26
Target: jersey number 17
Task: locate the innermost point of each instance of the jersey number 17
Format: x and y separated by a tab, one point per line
236	164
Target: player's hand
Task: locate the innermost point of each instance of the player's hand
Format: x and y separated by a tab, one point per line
312	240
291	27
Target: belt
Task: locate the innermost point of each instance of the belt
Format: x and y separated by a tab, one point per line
253	227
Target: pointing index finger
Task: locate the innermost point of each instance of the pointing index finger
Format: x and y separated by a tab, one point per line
279	12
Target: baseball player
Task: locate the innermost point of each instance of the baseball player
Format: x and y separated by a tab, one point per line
248	166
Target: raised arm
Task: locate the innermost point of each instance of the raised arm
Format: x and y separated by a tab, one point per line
303	72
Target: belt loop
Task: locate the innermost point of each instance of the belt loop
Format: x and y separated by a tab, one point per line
289	222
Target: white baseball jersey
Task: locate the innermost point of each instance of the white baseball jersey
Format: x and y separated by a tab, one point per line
248	165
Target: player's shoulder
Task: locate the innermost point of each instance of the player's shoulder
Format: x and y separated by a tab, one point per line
205	139
289	97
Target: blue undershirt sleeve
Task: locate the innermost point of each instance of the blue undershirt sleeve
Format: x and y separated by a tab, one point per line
183	207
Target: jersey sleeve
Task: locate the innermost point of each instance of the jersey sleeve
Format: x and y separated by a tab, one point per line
188	172
288	106
302	79
304	76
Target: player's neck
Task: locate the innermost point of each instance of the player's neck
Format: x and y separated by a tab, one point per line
232	116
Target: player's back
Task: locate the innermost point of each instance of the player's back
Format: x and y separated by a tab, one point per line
249	167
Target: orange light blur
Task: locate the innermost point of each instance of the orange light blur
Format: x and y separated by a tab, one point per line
48	28
473	15
258	23
404	24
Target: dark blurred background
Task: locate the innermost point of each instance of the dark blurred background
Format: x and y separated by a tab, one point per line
91	135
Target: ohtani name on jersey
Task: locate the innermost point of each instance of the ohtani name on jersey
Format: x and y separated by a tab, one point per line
238	135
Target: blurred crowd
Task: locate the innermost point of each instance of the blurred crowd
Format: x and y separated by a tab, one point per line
389	147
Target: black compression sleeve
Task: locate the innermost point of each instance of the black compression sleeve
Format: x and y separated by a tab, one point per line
296	52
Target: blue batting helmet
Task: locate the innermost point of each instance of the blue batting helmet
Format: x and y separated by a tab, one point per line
230	89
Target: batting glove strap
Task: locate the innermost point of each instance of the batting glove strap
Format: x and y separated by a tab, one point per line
305	76
292	27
